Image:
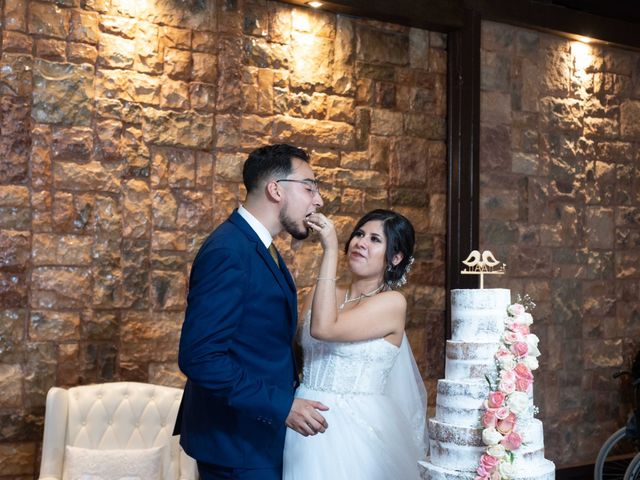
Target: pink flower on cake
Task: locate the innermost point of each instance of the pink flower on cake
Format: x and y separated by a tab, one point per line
489	461
502	412
496	399
507	386
508	375
522	371
508	400
522	384
506	425
489	419
512	441
510	337
520	349
519	327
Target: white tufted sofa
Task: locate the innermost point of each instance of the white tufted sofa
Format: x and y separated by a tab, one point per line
122	415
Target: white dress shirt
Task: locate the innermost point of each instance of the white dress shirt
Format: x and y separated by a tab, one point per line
256	226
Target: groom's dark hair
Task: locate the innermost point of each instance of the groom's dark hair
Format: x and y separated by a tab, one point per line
270	161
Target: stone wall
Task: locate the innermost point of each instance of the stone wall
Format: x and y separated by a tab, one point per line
560	204
124	126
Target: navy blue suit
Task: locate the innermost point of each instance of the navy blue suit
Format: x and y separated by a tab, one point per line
236	351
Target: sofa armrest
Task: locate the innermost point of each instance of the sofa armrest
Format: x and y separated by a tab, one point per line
55	431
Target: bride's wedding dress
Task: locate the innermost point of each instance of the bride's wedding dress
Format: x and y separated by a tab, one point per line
376	416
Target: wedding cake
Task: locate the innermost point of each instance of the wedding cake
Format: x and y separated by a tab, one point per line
484	427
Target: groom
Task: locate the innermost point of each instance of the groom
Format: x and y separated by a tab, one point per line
241	318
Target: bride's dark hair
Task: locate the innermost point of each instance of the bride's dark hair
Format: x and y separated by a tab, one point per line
400	237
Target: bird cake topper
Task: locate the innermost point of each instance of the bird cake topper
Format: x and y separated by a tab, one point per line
483	264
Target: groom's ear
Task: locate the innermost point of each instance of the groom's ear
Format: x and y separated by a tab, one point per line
272	191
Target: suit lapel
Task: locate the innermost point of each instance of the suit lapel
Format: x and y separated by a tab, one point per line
281	274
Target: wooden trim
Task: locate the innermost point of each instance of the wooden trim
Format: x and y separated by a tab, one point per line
462	151
450	16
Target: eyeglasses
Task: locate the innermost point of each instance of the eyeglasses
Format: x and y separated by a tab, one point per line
312	185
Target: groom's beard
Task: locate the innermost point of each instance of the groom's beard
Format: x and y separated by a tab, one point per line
299	232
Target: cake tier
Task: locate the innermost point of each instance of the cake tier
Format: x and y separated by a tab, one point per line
462	402
466	360
478	315
544	471
461	447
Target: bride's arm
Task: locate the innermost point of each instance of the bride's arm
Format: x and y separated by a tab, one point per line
324	307
378	317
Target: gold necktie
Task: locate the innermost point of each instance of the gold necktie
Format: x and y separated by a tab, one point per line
274	254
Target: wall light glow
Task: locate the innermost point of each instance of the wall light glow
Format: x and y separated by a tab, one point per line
314	4
582	56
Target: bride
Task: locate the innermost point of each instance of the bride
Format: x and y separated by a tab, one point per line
357	360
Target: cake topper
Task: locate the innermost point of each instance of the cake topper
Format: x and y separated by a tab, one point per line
482	264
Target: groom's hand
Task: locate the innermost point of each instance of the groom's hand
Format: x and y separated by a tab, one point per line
304	417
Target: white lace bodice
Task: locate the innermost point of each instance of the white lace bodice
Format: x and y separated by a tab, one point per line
345	367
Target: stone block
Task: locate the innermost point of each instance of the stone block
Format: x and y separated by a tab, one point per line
204	67
50	49
555	72
47	325
167	374
62	93
168	290
188	129
15	141
495	71
84	27
627	264
116	52
174	94
39	372
419	48
427	126
202	96
136	209
15	250
164	209
599	227
16	74
11	386
17	459
603	354
48	19
60	287
15	15
495	108
204	42
379	46
16	42
88	176
177	63
310	65
194	211
72	250
386	122
630	119
313	133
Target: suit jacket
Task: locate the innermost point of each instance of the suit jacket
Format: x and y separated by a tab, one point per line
236	351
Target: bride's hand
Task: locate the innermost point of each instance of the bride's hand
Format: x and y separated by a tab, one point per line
324	227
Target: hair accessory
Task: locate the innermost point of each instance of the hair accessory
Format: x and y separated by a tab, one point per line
403	279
